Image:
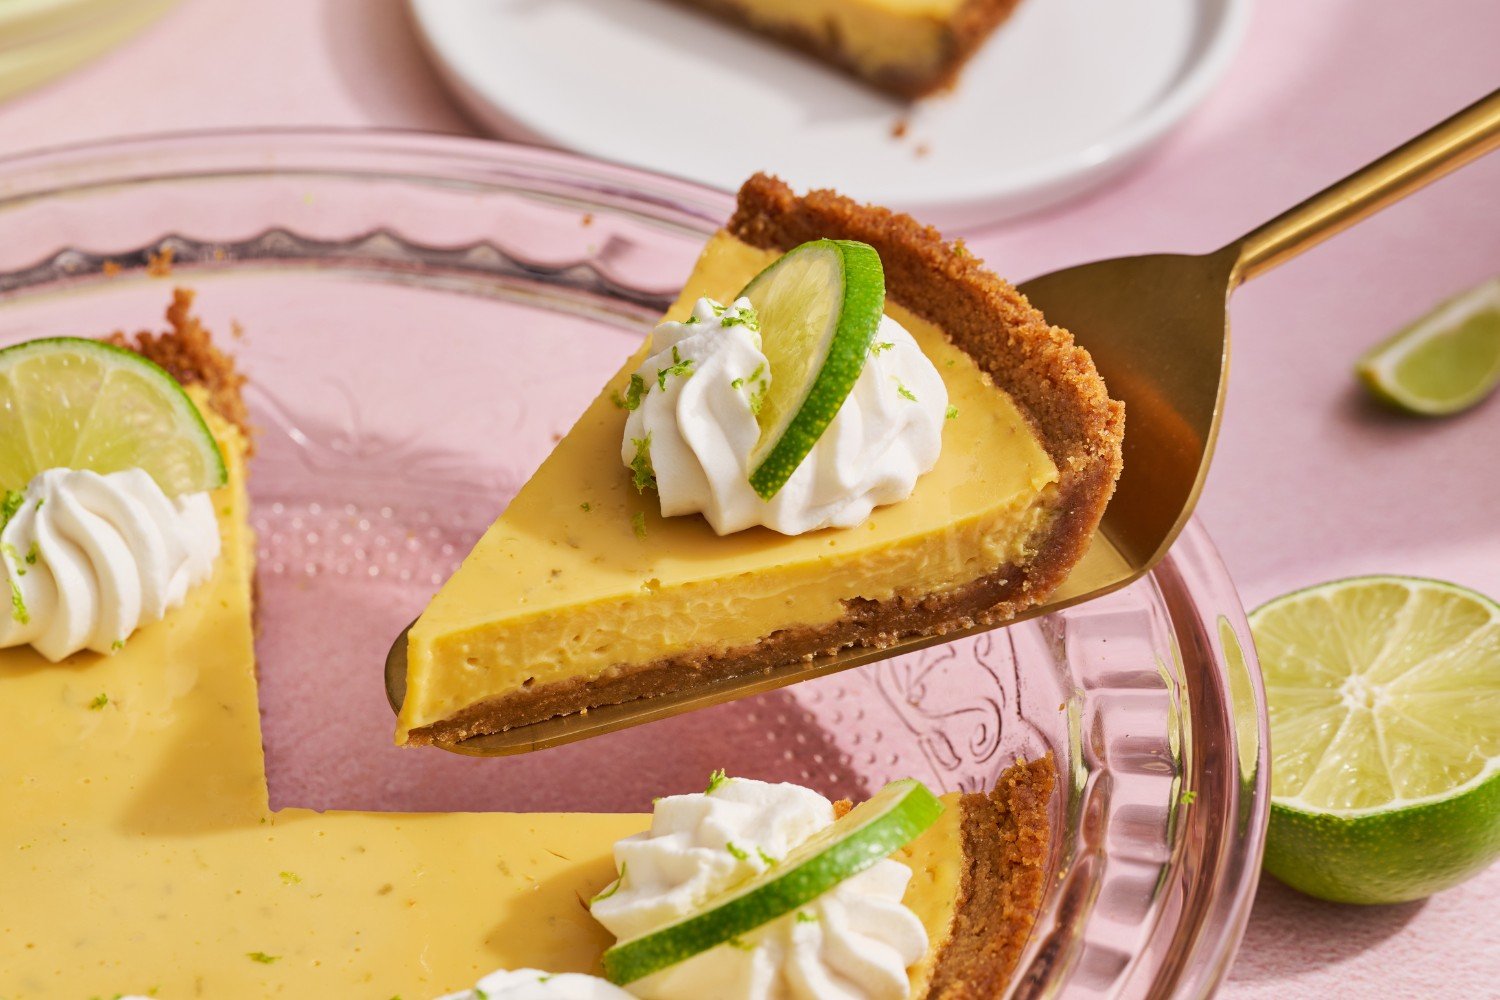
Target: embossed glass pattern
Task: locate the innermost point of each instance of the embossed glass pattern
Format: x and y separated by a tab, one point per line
423	317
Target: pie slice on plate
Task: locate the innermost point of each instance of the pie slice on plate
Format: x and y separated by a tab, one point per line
583	595
906	49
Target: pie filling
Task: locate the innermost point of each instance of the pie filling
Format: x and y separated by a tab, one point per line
581	578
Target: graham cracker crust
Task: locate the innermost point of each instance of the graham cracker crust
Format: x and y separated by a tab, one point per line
1052	380
187	351
961	36
1007	836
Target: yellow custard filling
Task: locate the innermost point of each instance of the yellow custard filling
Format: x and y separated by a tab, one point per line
936	861
140	853
582	574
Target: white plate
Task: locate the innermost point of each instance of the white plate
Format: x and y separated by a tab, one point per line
1065	95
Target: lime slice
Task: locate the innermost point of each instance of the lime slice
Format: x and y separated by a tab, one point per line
1446	361
871	831
81	404
1384	694
819	307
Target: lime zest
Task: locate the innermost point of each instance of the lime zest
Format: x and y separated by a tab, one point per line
736	851
10	506
100	700
262	957
952	413
638	523
904	392
634	393
715	780
18	604
679	366
745	316
643	476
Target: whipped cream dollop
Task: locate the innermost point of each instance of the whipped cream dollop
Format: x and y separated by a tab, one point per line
89	558
533	984
692	427
852	943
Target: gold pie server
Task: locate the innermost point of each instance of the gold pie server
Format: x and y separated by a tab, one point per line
1157	327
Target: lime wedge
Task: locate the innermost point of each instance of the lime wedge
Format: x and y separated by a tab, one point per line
1384	694
819	307
1445	362
81	404
871	831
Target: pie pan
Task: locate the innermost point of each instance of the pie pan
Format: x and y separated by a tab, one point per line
420	318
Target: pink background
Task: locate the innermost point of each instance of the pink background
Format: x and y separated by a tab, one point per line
1311	482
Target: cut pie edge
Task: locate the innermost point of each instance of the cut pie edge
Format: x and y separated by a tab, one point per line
1006	841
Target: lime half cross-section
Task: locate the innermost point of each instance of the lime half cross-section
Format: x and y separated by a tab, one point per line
1384	697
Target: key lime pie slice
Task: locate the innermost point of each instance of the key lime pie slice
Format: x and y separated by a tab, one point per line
908	48
141	853
958	482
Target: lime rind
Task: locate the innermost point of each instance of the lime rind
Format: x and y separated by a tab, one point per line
1445	362
85	404
820	306
872	831
1343	858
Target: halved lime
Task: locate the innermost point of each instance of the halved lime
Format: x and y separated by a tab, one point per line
1446	361
871	831
819	306
81	404
1384	695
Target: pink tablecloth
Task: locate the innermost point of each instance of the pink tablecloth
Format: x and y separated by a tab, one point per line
1311	482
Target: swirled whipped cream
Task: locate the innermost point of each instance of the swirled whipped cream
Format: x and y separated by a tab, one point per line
532	984
89	558
692	427
852	943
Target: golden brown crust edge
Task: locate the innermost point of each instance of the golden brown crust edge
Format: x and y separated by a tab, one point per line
962	36
1007	838
1052	380
1050	377
187	351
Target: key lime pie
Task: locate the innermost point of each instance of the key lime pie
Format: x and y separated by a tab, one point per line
908	48
143	857
846	432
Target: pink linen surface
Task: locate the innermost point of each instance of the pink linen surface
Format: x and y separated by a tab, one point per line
1311	481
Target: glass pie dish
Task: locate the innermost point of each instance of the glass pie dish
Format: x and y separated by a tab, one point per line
420	318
